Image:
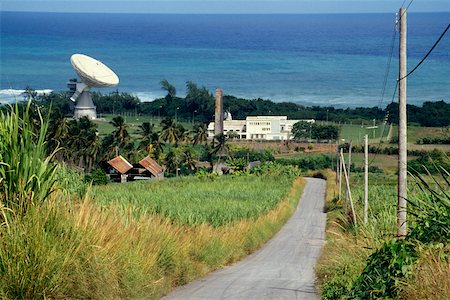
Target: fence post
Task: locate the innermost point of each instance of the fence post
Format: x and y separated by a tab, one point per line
349	191
366	177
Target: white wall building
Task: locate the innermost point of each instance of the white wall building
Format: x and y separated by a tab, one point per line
258	127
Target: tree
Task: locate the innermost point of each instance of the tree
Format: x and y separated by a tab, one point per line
170	162
57	133
188	159
169	131
172	132
200	100
303	130
200	134
120	133
300	130
147	135
220	147
169	88
83	143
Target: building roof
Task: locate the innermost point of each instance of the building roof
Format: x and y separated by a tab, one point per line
120	164
151	165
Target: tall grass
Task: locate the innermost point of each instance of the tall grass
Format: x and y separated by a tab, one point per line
394	268
193	200
27	173
61	250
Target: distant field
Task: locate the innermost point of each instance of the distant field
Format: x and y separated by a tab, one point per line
356	133
417	132
133	123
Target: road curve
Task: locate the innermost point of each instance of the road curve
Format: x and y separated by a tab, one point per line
282	269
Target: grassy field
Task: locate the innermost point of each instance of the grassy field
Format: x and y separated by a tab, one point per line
417	132
356	133
193	200
133	122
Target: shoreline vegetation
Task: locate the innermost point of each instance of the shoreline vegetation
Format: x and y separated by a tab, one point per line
198	106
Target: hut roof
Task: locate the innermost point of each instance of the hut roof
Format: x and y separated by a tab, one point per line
151	165
120	164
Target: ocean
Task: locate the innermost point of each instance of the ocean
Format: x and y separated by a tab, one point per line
315	59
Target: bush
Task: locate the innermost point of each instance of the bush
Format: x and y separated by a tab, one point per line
392	264
275	169
308	162
429	162
27	172
97	177
384	268
251	155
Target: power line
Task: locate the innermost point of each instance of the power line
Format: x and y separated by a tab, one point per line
407	7
388	67
429	52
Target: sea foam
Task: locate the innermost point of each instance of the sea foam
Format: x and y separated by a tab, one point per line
12	95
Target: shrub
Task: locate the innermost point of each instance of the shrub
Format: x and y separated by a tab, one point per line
27	172
308	162
97	177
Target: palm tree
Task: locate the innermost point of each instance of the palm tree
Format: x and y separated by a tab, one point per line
170	162
120	134
155	148
220	147
83	142
170	131
147	135
169	88
181	132
200	132
57	133
189	160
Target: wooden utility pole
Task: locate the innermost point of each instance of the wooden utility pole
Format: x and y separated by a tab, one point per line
402	150
348	170
366	177
340	173
347	182
337	162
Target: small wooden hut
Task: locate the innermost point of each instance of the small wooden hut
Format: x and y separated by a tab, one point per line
120	167
152	167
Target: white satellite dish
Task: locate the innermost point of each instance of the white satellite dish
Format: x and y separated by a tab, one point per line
93	73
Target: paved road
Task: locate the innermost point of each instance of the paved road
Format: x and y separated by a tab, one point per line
282	269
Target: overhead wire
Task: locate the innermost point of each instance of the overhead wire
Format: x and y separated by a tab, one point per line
428	53
387	74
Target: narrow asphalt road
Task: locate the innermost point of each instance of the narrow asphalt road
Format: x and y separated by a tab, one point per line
282	269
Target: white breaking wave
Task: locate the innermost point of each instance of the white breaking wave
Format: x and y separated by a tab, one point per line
12	95
148	96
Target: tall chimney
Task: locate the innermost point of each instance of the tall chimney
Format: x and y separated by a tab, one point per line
218	121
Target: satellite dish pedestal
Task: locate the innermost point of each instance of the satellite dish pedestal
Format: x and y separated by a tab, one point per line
85	106
93	73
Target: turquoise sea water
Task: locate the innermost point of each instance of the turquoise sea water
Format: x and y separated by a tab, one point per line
314	59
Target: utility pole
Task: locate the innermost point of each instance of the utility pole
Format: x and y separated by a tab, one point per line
348	171
338	161
366	177
341	166
402	150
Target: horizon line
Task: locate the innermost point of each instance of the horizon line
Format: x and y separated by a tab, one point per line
213	13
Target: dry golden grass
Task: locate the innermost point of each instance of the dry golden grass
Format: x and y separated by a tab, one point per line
431	276
104	252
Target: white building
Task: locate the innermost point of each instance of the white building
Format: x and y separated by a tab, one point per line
258	127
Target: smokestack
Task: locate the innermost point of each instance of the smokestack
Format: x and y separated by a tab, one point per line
218	122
